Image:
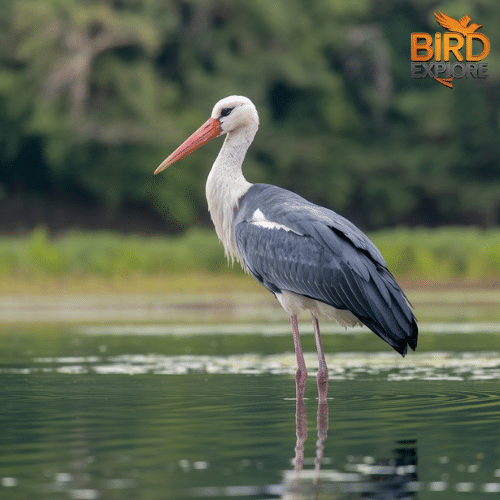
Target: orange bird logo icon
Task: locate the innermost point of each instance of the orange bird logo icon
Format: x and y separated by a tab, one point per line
461	27
460	34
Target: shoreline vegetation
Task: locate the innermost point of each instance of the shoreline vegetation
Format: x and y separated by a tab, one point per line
449	275
106	262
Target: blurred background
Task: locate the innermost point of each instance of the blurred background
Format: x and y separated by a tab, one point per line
94	94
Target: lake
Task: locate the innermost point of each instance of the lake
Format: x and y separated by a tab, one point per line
209	411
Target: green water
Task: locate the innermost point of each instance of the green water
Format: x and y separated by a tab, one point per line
112	416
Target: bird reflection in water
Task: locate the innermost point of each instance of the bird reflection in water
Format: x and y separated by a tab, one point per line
388	479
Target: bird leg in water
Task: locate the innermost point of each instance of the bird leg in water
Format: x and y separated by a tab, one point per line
301	373
322	377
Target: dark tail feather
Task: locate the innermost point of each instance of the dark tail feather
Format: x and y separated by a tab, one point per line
392	321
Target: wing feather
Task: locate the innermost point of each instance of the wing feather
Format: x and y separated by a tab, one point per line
447	22
314	252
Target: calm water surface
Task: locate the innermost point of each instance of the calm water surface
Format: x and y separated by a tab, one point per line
106	416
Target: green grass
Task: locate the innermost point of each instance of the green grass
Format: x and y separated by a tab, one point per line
442	254
107	254
196	259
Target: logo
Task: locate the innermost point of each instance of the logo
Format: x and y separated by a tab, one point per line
459	39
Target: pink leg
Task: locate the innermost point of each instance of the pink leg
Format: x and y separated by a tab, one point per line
301	373
322	377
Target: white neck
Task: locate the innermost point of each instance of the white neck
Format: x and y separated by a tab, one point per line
226	185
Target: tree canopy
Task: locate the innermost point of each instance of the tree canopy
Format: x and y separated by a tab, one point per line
95	93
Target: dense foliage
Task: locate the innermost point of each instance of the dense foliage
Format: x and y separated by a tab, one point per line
95	93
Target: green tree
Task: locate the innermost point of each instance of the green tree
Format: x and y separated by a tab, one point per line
95	93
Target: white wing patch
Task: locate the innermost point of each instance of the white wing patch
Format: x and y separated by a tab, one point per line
259	219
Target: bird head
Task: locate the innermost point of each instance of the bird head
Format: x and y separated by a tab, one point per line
234	112
228	115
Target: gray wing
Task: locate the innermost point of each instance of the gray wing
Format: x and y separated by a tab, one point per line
291	244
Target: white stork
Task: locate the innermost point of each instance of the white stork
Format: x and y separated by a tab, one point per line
308	256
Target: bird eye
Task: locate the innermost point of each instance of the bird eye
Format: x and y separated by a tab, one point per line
226	111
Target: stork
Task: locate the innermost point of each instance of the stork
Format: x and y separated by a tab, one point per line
308	256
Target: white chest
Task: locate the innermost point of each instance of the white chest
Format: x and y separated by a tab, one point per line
223	193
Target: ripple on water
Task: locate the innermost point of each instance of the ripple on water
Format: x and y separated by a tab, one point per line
454	427
432	366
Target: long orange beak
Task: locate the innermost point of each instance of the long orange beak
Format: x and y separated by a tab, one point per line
208	131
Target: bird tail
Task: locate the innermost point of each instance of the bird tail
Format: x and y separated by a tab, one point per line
392	318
